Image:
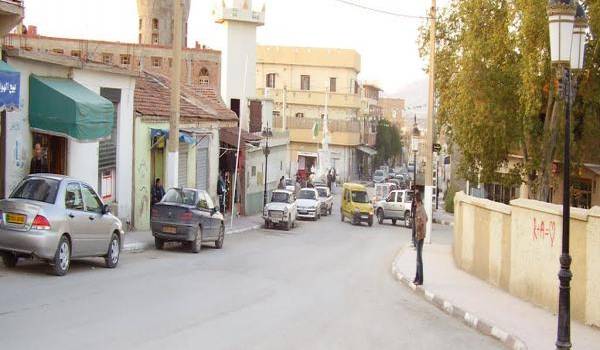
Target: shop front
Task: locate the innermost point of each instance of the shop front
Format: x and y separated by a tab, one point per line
10	81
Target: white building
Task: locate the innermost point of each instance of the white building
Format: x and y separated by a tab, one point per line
66	152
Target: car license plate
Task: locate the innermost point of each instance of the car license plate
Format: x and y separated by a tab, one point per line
16	219
169	229
275	220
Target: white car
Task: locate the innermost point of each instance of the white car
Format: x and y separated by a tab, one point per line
326	199
290	185
397	206
309	206
282	210
379	176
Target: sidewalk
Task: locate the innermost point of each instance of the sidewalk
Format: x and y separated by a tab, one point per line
484	307
441	217
138	241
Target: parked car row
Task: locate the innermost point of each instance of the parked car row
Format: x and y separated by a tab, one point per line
57	219
285	208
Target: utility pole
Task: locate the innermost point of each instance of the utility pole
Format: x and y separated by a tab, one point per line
430	124
173	142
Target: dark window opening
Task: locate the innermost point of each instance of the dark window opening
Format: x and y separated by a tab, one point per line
235	106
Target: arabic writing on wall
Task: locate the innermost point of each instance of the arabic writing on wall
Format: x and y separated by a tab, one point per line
543	230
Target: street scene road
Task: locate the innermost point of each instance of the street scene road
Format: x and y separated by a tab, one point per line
324	285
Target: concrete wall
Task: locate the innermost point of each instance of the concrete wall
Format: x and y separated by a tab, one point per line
278	167
124	177
517	248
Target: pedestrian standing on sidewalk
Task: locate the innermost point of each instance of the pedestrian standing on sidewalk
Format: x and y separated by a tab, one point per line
413	213
420	221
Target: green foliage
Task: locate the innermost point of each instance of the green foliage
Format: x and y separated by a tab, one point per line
389	143
449	200
495	86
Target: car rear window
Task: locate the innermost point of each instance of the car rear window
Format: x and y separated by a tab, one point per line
280	197
307	195
360	197
187	197
37	189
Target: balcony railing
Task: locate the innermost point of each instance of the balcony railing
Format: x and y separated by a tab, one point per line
350	126
311	98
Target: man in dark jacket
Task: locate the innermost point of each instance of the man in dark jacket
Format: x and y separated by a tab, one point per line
158	192
39	164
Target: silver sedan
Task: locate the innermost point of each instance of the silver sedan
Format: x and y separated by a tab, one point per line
56	219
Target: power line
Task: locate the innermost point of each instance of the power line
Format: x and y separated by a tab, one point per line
385	12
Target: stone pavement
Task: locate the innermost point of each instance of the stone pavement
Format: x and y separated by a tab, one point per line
484	307
137	241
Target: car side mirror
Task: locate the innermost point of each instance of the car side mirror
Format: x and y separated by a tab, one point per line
106	209
214	211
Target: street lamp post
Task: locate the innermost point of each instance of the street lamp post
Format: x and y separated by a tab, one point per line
415	149
567	24
266	133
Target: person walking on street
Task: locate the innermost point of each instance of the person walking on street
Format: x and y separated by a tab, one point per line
158	192
281	185
420	222
39	163
222	193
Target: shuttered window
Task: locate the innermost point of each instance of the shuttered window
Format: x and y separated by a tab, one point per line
202	164
183	165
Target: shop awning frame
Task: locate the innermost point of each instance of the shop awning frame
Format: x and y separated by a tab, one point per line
367	150
184	136
63	107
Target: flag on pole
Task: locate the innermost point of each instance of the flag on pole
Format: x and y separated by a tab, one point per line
315	130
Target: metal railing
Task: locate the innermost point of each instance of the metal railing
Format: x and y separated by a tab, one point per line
351	126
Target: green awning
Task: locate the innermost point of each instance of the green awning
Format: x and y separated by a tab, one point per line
63	107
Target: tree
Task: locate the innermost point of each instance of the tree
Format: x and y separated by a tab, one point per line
496	89
389	143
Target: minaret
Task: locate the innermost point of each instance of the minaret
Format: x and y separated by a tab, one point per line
155	23
239	20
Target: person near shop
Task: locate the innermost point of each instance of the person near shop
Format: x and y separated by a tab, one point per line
281	185
158	191
39	163
221	192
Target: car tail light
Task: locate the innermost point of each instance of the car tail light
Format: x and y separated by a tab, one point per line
1	217
40	223
154	213
187	216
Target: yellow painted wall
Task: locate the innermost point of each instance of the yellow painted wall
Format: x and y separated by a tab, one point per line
517	248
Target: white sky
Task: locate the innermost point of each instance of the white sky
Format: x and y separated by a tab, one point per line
387	44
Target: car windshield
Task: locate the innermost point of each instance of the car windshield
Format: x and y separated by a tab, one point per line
360	197
379	173
280	197
289	182
37	189
187	197
307	195
322	192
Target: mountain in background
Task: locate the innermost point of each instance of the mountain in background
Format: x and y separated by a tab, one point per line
415	94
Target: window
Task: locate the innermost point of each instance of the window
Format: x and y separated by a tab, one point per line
58	51
204	77
73	199
154	24
202	202
356	87
107	58
280	197
37	189
299	115
305	82
76	53
156	62
140	26
170	62
271	80
91	200
187	197
154	39
307	194
253	171
332	84
391	197
125	60
140	38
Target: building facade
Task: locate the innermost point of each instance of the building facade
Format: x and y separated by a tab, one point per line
156	22
306	84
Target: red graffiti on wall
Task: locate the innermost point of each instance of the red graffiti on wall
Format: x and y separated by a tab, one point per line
543	230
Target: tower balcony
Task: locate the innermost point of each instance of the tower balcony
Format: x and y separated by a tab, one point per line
228	14
11	14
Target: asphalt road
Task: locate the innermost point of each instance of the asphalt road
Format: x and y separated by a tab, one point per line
324	285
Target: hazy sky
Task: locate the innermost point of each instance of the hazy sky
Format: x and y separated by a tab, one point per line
386	43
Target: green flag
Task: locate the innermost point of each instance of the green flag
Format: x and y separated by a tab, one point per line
315	130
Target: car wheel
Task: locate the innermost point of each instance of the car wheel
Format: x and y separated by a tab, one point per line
380	216
219	242
267	224
114	251
288	224
10	259
394	221
197	243
407	222
370	222
342	215
159	243
62	258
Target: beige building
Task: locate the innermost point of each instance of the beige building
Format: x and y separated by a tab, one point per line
301	81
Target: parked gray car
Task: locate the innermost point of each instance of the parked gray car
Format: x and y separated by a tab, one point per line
56	218
188	216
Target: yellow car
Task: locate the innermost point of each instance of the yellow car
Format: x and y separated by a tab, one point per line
356	205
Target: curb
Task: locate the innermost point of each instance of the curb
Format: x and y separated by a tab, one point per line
139	247
469	319
443	222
